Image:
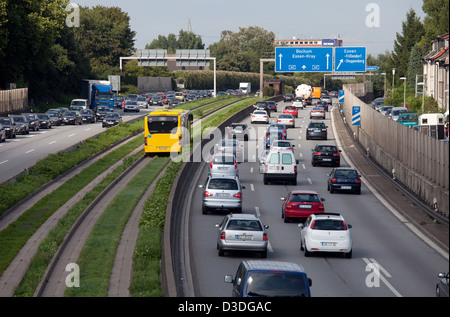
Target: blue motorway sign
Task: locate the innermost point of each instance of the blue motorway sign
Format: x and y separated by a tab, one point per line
303	59
350	59
341	96
356	115
369	68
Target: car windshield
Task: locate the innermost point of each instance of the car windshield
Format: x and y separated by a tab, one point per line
276	283
78	103
19	119
282	143
244	224
317	125
42	116
223	184
103	108
112	116
224	159
329	224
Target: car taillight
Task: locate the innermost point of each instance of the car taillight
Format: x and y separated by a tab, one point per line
207	194
264	236
317	153
345	225
321	207
336	154
358	181
312	224
333	180
291	120
324	129
235	164
211	164
295	168
222	236
237	195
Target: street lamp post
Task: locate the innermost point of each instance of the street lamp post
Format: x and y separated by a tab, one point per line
423	94
384	93
404	91
393	78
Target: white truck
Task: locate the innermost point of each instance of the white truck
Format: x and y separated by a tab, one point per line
304	91
246	88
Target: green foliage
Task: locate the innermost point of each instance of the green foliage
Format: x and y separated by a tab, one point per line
186	41
268	91
436	21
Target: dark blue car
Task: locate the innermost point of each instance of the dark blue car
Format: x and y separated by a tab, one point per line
344	179
259	278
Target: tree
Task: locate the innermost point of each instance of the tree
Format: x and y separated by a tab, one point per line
186	41
436	21
104	36
415	66
412	33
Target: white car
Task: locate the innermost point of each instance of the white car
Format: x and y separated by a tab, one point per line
259	116
287	119
298	104
282	145
325	232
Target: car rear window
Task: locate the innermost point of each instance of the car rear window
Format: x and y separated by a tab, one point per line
225	184
326	149
329	224
312	198
224	159
276	284
345	173
243	224
286	158
317	125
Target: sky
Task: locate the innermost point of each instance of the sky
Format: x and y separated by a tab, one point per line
369	23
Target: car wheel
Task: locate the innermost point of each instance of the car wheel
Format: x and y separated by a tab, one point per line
265	180
221	252
301	246
358	192
348	255
204	210
331	190
306	252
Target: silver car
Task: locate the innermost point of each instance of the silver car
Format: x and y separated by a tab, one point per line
287	119
222	192
232	146
142	102
223	164
243	232
131	105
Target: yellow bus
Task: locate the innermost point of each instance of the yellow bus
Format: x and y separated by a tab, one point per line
167	131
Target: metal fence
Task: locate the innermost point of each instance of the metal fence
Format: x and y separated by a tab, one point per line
13	100
418	161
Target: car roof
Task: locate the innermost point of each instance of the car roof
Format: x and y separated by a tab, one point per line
273	266
302	191
244	216
328	215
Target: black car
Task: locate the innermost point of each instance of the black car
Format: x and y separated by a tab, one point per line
156	101
326	154
323	104
344	179
87	116
56	117
9	126
33	121
272	105
263	105
21	124
101	112
316	130
72	117
45	121
111	119
288	97
442	285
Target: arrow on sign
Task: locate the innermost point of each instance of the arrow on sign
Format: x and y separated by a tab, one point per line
340	62
303	67
280	56
328	55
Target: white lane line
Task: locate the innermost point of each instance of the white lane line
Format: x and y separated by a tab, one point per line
309	181
257	211
252	188
303	166
29	151
71	135
4	162
251	169
52	142
375	267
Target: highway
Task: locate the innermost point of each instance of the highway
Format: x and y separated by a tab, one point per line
388	258
25	150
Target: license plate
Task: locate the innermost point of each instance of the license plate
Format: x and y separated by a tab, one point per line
244	237
163	148
222	168
317	130
346	187
325	159
329	244
222	195
274	167
305	206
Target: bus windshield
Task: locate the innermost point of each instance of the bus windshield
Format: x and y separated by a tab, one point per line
162	124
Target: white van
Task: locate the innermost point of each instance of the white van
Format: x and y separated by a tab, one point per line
395	112
280	165
79	103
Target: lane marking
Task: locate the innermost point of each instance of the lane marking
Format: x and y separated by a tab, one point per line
375	267
29	151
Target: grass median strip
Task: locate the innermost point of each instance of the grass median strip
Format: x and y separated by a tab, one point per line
97	256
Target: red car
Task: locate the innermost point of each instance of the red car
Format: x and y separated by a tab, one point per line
292	110
300	204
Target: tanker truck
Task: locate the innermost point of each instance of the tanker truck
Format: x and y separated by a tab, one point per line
304	91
